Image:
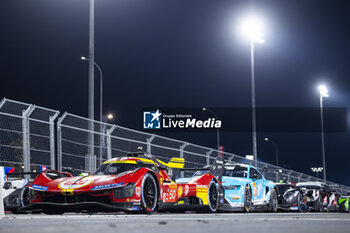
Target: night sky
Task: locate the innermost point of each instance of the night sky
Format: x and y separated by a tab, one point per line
185	53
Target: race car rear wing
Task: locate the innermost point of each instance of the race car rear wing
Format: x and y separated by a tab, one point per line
217	169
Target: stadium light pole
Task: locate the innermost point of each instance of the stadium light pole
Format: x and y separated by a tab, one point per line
251	28
101	99
323	94
276	148
217	130
101	85
91	109
105	119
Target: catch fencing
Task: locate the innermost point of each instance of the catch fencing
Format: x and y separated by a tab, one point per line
27	140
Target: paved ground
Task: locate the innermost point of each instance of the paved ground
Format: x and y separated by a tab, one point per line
201	223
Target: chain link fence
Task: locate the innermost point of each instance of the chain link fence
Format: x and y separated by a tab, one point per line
27	140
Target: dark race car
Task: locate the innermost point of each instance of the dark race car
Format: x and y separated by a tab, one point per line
333	198
291	197
15	194
320	196
134	183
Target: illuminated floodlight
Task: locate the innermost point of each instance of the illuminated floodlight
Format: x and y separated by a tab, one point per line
249	157
251	28
317	169
323	91
110	116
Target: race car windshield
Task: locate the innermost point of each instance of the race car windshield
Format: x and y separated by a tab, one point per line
236	172
114	168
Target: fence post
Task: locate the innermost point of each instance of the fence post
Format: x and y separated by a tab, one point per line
182	147
59	141
2	176
26	139
149	143
3	101
208	156
52	140
109	141
299	177
288	175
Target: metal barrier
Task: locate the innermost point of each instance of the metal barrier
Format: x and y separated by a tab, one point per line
27	140
26	136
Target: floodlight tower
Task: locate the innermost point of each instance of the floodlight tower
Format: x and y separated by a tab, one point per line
323	94
251	28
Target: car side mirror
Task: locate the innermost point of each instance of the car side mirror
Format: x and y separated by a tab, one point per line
255	176
7	185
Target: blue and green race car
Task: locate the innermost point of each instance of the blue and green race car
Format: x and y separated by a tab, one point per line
244	188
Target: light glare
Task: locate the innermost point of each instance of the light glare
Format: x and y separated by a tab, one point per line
110	116
252	28
323	91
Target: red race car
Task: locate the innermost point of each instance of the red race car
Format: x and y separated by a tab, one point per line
134	183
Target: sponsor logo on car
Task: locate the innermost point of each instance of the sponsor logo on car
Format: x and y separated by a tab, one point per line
76	183
187	189
39	187
234	198
107	186
180	191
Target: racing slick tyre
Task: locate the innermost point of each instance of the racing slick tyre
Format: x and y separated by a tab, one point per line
213	199
24	201
273	203
318	206
301	203
247	200
149	194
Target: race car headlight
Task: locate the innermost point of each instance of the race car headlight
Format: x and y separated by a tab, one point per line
232	187
125	191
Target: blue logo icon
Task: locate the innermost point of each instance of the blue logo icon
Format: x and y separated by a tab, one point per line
152	120
39	187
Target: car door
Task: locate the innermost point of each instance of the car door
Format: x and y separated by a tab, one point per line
257	185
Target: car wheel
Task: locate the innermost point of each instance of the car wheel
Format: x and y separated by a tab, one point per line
149	194
301	205
273	203
247	200
213	197
23	201
320	205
